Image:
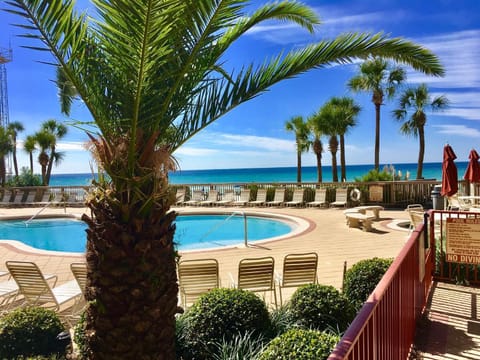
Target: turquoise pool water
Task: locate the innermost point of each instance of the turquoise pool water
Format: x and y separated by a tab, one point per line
193	232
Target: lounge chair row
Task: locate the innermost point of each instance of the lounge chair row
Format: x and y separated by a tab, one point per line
32	198
228	198
197	277
27	285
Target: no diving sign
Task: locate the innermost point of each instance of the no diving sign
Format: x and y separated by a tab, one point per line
463	240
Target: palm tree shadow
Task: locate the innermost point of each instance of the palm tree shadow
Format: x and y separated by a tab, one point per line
431	337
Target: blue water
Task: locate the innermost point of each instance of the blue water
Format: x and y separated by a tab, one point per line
193	232
283	174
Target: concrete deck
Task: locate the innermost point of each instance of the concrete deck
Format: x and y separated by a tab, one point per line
327	234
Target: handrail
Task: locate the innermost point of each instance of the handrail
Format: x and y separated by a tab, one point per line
245	227
36	214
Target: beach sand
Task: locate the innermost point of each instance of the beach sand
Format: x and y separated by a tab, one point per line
327	234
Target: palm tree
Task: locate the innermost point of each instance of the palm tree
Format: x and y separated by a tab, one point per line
152	75
29	146
5	149
58	131
44	139
381	79
317	145
300	129
411	109
14	128
346	111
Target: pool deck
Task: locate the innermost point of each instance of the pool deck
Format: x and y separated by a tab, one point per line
326	233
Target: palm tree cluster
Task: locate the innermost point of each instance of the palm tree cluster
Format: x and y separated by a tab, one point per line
338	115
45	141
152	74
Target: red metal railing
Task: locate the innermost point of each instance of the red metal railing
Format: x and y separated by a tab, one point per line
385	326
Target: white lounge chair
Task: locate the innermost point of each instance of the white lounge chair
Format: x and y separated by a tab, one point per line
36	290
261	198
197	196
297	198
197	277
320	198
180	196
244	198
212	198
340	198
278	198
227	199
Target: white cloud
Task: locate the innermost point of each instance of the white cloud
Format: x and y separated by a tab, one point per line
458	130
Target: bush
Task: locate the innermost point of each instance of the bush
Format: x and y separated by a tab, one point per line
375	175
30	331
220	315
362	278
300	344
321	307
79	338
26	178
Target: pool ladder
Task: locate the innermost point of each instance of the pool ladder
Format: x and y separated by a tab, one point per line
245	227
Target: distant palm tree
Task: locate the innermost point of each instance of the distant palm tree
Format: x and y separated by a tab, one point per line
152	75
14	128
381	79
58	131
346	112
29	146
44	139
317	145
300	128
5	149
411	109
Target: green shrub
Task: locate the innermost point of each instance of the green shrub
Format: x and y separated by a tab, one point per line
30	331
321	307
375	175
26	178
300	344
220	315
362	278
282	320
242	346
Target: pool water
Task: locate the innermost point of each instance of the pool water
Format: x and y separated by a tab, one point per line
192	232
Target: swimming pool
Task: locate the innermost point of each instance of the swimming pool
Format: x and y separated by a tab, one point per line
192	232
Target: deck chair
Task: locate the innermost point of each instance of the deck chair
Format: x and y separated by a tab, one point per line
227	199
256	275
244	198
196	277
298	269
261	198
278	198
197	196
30	200
7	197
36	290
8	293
180	197
211	198
79	271
18	197
297	198
320	199
340	198
455	203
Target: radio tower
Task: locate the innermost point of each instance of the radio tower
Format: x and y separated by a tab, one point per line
5	57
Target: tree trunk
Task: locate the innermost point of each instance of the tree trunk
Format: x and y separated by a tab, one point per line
3	170
31	162
333	144
131	284
421	152
377	136
317	149
299	166
343	166
14	155
50	165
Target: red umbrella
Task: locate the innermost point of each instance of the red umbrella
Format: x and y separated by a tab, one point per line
449	172
472	174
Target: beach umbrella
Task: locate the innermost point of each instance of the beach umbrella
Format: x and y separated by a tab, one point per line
449	172
472	174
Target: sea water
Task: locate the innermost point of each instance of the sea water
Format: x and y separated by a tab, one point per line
279	174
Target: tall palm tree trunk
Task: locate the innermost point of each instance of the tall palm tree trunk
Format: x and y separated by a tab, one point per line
299	166
15	163
377	136
343	166
421	151
319	168
131	285
3	170
31	162
333	143
50	165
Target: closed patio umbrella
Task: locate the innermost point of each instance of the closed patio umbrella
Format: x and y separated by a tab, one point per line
472	174
449	172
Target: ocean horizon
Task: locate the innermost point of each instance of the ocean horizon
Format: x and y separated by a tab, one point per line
431	171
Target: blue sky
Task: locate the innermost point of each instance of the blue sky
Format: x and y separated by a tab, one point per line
253	135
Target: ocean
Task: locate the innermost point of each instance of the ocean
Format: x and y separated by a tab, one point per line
280	174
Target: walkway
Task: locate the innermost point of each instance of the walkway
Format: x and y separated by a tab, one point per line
451	326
